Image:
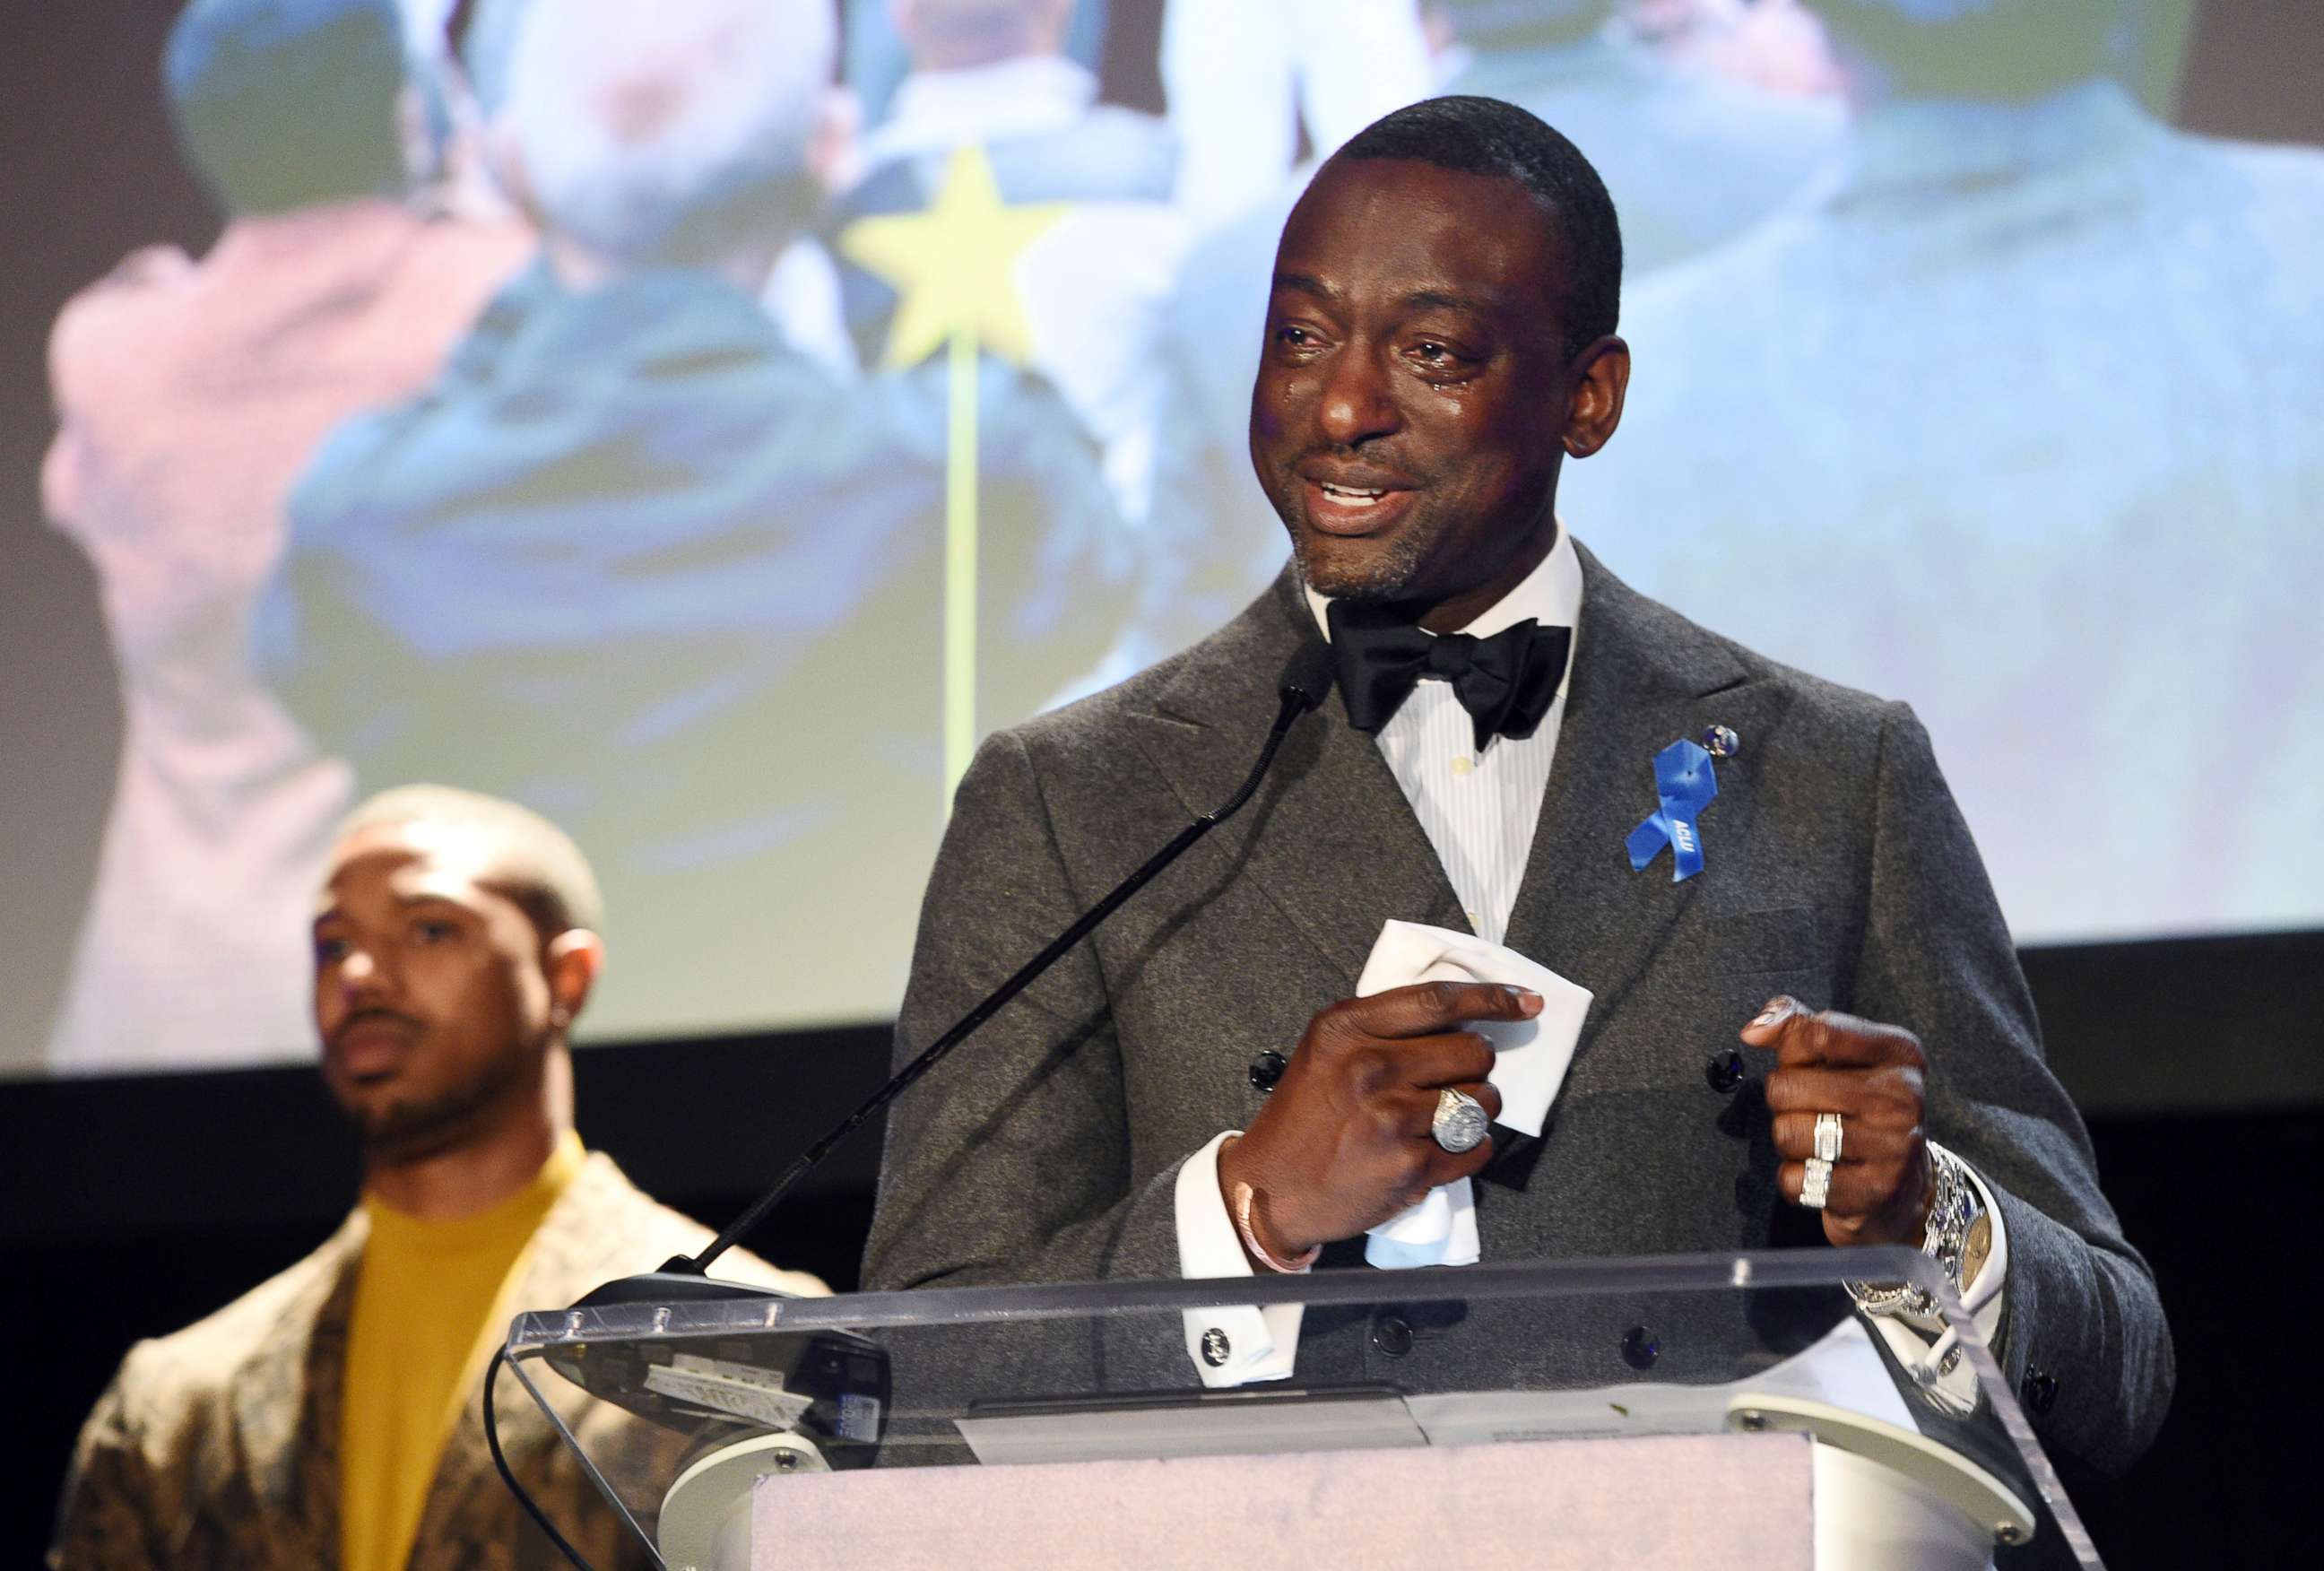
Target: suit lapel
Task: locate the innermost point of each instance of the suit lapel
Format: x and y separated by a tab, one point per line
1329	837
1336	846
287	1402
1643	678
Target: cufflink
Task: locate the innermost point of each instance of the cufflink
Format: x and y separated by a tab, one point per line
1392	1335
1216	1349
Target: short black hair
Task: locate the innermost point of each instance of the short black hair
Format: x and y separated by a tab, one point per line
288	104
1475	136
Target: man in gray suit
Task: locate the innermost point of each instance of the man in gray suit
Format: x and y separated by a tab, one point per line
1440	338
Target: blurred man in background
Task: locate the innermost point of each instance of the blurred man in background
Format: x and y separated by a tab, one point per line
188	394
333	1414
638	561
1710	113
1250	81
801	289
2019	404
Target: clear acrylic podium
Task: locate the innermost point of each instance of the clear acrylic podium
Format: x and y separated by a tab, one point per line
1695	1409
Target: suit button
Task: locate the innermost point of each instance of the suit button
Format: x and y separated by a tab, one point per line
1265	1071
1725	1072
1392	1334
1640	1347
2038	1390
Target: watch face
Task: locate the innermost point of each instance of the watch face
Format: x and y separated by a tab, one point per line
1973	1252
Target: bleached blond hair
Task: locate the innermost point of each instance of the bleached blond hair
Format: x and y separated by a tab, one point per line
638	121
533	860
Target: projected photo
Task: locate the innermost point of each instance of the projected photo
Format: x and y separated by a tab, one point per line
704	421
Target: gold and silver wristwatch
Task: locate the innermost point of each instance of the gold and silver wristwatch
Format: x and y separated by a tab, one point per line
1959	1238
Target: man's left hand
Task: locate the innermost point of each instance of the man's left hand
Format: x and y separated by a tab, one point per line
1872	1076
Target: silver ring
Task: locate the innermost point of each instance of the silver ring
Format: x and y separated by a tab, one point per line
1827	1137
1816	1187
1460	1123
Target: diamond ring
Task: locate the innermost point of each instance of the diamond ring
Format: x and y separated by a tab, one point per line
1460	1123
1827	1137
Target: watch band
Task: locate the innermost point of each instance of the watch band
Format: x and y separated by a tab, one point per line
1957	1237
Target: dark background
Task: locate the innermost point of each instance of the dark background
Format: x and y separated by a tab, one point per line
131	1207
138	1204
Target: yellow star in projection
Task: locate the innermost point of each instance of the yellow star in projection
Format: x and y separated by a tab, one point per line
954	265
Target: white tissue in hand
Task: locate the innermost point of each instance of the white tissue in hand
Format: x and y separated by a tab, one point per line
1442	1230
1529	1056
1529	1064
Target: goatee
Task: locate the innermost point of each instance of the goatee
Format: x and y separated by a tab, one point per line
403	1132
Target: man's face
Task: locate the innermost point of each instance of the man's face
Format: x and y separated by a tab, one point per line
1413	397
431	995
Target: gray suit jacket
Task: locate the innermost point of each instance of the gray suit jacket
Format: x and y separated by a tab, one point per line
1838	870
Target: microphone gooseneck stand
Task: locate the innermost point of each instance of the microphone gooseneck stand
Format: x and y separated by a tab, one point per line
1305	685
1306	682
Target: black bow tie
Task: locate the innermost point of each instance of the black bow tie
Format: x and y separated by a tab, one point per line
1506	682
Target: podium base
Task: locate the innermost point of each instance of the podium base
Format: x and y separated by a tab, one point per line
705	1517
1680	1500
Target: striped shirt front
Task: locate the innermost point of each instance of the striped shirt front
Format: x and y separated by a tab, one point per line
1478	810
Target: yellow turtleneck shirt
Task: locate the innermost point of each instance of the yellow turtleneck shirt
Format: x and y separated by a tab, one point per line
429	1305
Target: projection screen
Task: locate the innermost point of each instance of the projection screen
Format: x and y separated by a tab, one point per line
705	421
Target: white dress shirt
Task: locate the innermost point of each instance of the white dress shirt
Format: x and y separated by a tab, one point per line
1479	811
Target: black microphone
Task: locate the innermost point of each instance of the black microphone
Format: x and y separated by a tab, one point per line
1305	683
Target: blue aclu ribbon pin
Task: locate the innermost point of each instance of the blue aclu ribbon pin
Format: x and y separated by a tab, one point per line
1684	781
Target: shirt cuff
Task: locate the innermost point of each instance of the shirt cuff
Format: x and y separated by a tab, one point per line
1919	1341
1241	1343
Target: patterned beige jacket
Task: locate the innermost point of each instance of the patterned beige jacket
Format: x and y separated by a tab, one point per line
219	1446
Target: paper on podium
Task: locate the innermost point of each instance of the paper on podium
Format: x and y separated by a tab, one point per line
1246	1422
1841	1369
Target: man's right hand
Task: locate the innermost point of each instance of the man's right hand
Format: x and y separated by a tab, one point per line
1344	1142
